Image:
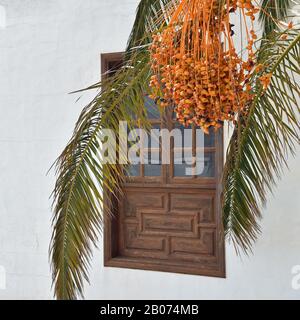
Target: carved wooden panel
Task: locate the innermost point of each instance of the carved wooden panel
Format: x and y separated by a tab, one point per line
167	228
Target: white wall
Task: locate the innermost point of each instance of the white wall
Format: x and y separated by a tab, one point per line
48	49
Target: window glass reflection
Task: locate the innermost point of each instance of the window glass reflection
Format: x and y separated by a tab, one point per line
152	109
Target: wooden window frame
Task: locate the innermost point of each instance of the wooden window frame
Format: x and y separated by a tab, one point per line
106	59
111	226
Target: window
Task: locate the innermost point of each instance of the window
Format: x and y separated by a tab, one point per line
168	220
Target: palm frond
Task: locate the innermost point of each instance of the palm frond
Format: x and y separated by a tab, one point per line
81	178
78	198
255	156
262	140
271	12
149	14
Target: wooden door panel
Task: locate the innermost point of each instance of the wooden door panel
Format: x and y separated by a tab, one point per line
166	223
162	227
149	199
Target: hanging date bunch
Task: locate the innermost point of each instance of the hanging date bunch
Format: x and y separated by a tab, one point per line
196	66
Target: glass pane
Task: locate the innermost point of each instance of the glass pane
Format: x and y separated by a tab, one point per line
183	152
180	170
206	165
152	170
153	112
183	163
133	170
152	109
205	140
209	139
152	166
154	136
205	161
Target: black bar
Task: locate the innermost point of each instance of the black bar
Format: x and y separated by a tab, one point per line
90	310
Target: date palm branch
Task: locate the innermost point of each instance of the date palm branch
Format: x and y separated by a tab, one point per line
81	177
263	139
254	158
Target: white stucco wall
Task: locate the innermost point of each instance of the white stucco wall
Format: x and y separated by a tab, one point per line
47	49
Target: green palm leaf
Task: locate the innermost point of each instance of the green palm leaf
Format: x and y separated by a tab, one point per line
262	140
81	178
242	212
78	212
148	15
272	11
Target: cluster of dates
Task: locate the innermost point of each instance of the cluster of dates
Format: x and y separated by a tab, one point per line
195	65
